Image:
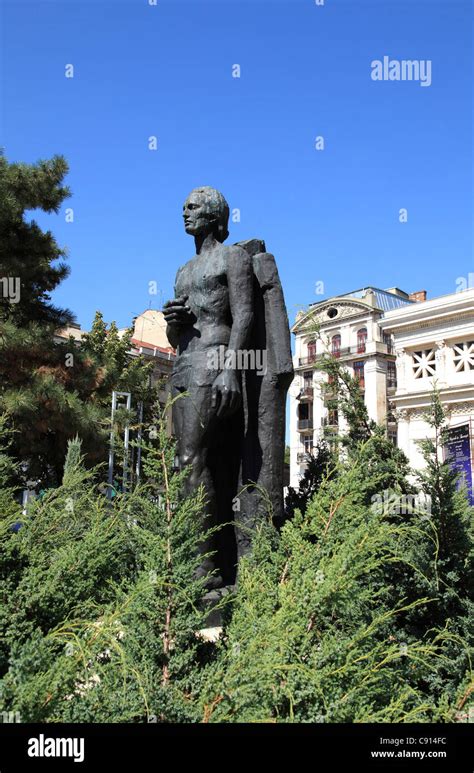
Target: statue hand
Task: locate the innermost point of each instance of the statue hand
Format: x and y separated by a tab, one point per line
177	312
226	393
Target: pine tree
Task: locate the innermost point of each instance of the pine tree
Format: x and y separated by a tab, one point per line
385	467
314	631
50	390
101	613
27	253
443	553
73	459
320	464
100	619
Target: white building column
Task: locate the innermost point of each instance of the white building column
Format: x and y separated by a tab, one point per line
375	376
441	355
345	333
294	435
403	430
403	363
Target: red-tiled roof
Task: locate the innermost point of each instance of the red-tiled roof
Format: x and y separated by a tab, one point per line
147	345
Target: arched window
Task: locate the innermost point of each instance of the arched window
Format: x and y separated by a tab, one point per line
311	351
361	340
336	345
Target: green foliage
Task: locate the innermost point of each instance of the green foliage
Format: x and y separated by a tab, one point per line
321	463
444	555
27	252
315	633
51	390
99	600
354	612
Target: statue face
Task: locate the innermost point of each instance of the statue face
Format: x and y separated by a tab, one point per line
198	220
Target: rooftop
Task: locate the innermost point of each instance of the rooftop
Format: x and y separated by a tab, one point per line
386	300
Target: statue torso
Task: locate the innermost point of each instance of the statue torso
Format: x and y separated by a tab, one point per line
204	280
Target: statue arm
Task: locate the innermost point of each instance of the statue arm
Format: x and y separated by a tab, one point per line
240	286
177	314
226	390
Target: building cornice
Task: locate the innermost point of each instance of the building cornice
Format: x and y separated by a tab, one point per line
433	313
347	309
449	395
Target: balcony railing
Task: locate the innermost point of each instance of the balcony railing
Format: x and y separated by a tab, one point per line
349	351
304	424
306	393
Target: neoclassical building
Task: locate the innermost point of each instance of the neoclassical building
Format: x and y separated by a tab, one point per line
349	327
433	343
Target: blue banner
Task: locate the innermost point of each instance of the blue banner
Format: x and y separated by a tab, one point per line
458	454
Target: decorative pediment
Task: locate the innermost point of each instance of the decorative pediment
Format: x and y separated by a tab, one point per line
331	312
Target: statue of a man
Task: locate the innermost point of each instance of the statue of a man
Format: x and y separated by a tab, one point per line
218	307
213	308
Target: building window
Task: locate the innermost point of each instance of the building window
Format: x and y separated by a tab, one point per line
305	416
392	435
463	356
336	346
311	351
391	374
303	411
387	339
308	380
361	340
424	363
308	444
359	372
333	417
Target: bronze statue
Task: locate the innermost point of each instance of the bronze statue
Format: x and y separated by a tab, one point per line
229	325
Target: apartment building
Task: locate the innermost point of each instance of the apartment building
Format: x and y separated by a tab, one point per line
349	327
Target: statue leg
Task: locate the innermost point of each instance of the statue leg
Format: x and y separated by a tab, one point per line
195	423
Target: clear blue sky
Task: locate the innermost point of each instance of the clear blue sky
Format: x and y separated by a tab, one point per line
329	216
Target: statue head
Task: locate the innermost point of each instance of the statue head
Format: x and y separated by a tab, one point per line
206	211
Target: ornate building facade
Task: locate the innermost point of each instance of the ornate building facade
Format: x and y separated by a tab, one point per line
349	327
433	343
